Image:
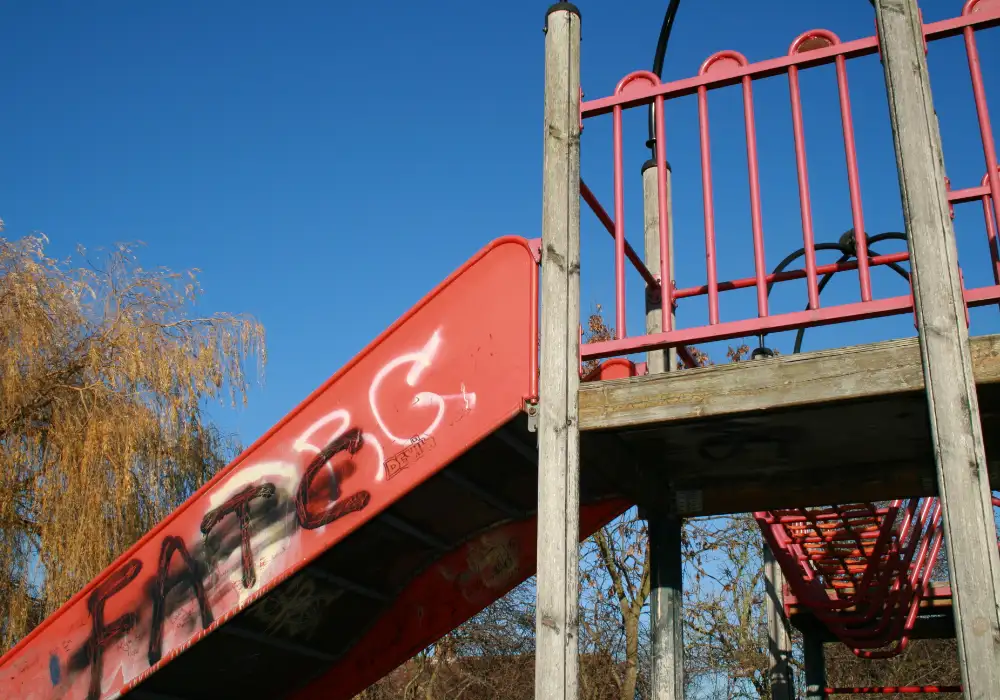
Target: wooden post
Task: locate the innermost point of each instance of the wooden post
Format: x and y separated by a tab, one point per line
956	431
657	361
779	638
558	422
666	605
815	662
666	565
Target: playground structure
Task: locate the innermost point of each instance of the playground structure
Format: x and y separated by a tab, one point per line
407	493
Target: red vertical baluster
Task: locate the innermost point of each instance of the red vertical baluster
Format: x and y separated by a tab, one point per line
853	180
756	219
666	284
979	94
803	43
619	227
709	207
991	234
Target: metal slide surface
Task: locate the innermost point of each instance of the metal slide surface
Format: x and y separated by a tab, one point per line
387	508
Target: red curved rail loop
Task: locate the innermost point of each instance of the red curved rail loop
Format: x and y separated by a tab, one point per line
861	568
811	49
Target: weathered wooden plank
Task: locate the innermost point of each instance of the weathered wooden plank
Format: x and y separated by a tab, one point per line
814	658
666	596
956	432
842	451
556	670
809	379
657	361
779	632
666	601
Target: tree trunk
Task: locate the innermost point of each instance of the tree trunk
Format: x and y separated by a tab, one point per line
631	657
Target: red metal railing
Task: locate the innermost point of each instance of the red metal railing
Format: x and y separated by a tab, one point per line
889	690
727	68
861	570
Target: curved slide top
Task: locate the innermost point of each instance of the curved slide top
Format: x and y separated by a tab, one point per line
391	505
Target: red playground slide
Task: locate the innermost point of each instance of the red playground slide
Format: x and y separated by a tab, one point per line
390	506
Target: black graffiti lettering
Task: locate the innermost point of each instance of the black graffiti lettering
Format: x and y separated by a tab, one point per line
164	584
103	634
352	441
240	506
406	457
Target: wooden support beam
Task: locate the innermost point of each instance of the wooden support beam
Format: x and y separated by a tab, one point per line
657	361
779	631
863	372
814	656
666	599
556	633
956	430
666	596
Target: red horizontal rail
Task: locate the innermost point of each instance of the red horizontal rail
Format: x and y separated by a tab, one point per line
889	689
987	17
748	282
762	69
969	194
741	329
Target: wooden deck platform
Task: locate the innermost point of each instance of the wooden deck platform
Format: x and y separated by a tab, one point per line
816	428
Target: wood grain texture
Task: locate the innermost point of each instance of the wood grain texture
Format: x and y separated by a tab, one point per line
956	433
666	595
657	360
863	449
556	625
779	632
862	372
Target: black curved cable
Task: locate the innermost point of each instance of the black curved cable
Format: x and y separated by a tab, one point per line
797	254
658	59
848	247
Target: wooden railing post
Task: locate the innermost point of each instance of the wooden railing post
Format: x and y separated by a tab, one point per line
556	662
666	590
814	658
956	432
657	360
779	636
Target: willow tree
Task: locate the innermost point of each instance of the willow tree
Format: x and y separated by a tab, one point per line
106	374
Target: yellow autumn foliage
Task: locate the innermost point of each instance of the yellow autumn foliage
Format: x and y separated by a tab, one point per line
106	373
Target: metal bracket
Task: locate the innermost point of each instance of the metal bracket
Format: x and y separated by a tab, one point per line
531	408
951	204
654	296
965	304
690	502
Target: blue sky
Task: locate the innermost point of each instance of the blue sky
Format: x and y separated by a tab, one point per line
326	164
